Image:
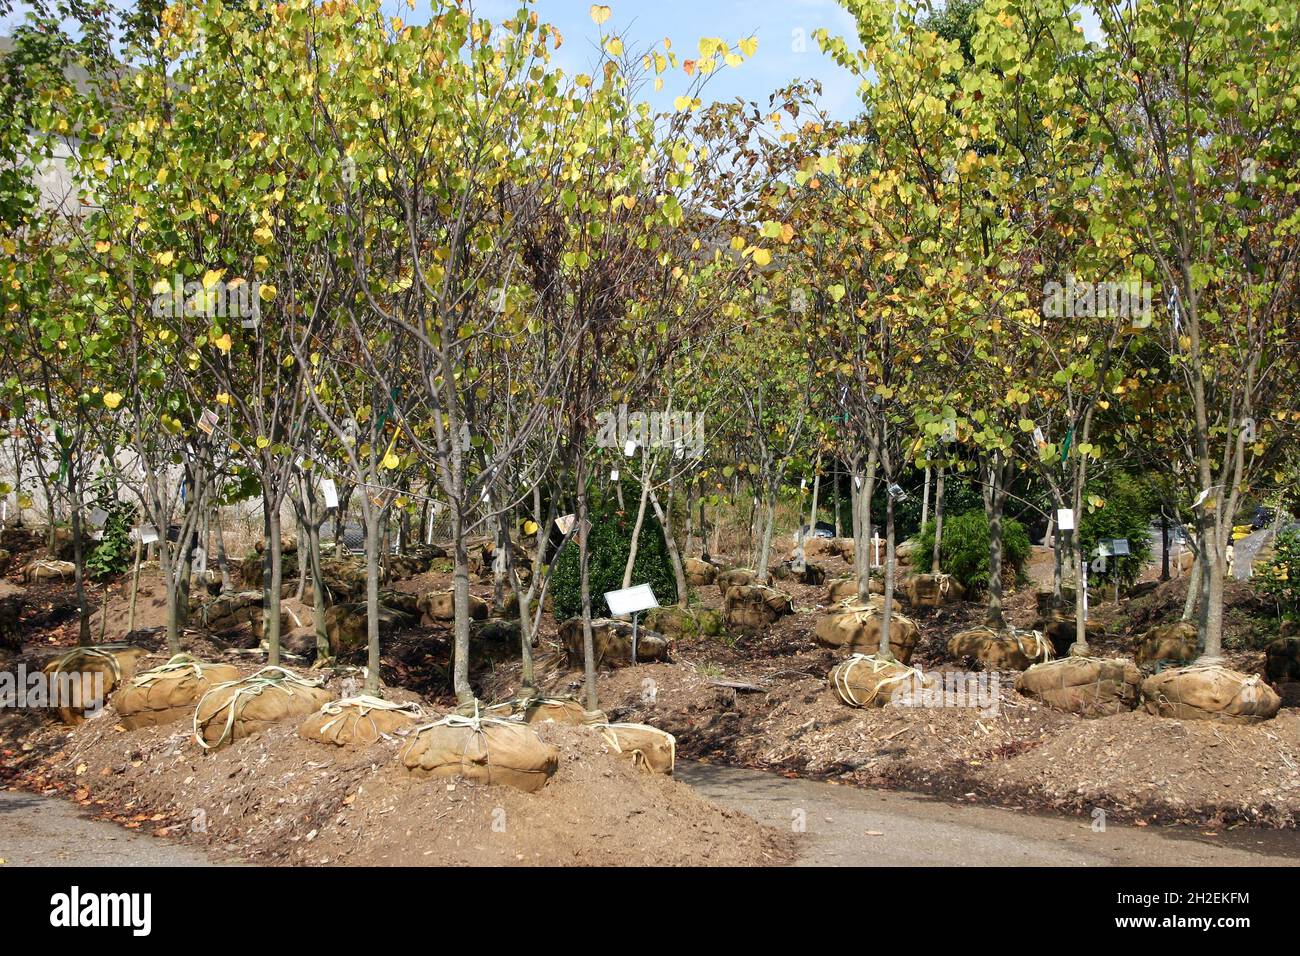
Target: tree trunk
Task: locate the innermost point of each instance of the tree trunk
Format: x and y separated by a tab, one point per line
674	556
371	516
885	651
79	573
925	498
993	615
460	605
640	519
864	487
271	595
938	521
588	641
1164	547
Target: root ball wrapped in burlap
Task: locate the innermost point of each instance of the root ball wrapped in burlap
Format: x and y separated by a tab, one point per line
649	748
1209	692
241	708
700	573
751	607
932	590
482	750
541	710
1282	660
81	680
359	721
1089	686
1008	650
611	643
1174	643
868	681
46	570
168	692
734	577
856	627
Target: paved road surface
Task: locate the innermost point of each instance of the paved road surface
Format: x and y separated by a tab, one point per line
848	826
50	831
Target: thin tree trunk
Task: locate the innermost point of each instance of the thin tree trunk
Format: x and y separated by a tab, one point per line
588	640
674	556
938	521
460	605
271	599
993	615
886	617
640	519
925	498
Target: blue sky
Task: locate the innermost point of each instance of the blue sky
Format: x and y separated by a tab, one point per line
786	48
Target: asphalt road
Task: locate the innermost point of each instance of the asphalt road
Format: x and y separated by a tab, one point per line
50	831
848	826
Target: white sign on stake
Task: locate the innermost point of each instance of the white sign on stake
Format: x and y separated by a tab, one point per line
98	516
631	600
1039	439
613	475
1119	546
147	534
629	449
565	523
1065	519
330	491
200	562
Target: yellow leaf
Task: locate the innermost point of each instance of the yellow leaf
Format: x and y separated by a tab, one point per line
265	291
223	343
614	46
164	258
599	13
112	399
682	103
262	441
212	277
391	460
223	398
762	257
748	46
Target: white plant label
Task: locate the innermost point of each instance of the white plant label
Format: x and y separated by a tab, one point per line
200	561
98	516
147	535
330	492
613	475
1039	439
1065	519
565	523
629	449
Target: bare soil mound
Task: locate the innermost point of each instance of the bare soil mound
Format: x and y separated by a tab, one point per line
275	798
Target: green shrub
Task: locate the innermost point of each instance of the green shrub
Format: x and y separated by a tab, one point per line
1127	513
964	552
608	544
1279	578
114	552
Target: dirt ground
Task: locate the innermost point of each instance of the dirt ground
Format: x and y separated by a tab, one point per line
1136	766
276	798
759	702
